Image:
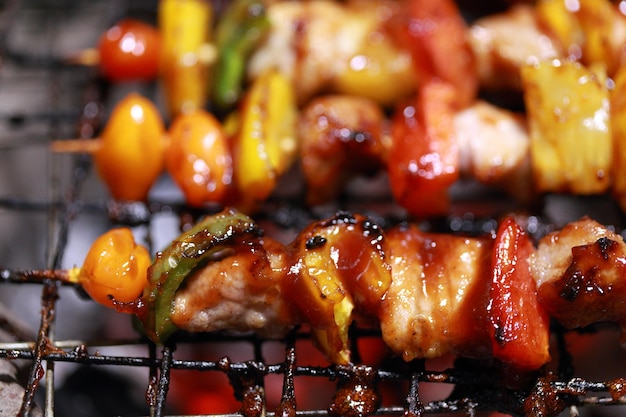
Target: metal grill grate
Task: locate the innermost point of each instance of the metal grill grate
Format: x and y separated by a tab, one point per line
51	206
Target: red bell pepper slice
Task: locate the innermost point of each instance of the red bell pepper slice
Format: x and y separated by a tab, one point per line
520	329
424	156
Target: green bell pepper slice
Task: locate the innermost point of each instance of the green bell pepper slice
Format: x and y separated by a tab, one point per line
240	30
209	240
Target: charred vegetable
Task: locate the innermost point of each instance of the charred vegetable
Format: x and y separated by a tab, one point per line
208	240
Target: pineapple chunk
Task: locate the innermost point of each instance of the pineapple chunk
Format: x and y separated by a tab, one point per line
599	19
568	117
562	24
340	275
618	126
592	31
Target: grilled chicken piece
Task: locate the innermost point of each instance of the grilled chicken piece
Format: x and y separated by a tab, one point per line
503	43
494	148
580	272
342	136
322	45
241	292
339	135
436	304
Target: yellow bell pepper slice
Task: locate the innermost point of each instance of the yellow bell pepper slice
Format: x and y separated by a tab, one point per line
586	29
186	54
265	145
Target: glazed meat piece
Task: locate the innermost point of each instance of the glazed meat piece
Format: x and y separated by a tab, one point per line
494	148
326	45
580	272
436	304
502	43
339	136
299	40
241	292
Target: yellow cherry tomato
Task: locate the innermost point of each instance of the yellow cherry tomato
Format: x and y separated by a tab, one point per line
131	156
198	157
115	269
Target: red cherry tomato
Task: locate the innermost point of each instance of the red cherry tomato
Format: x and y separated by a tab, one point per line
424	156
130	50
520	325
115	268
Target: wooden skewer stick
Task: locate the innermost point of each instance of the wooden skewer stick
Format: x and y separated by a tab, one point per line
89	57
88	146
85	145
69	276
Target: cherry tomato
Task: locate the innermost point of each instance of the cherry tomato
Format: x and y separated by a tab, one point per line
424	156
115	269
132	153
435	33
198	157
130	50
520	329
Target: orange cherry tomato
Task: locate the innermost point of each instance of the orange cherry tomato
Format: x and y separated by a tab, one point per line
424	156
115	269
198	157
520	329
130	50
131	156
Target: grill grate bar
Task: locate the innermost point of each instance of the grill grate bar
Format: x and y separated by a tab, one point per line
36	370
163	383
574	390
414	404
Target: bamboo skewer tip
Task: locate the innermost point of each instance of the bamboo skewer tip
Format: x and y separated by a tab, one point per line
89	57
79	145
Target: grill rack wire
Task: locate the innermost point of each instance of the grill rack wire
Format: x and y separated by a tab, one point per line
77	98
